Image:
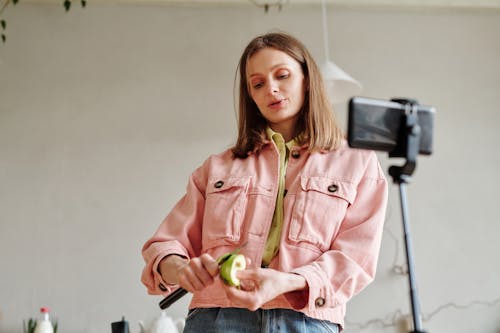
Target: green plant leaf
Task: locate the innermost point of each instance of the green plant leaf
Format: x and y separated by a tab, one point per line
4	38
30	328
67	4
4	24
15	1
84	3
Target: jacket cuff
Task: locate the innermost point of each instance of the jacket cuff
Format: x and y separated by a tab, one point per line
297	299
160	286
320	293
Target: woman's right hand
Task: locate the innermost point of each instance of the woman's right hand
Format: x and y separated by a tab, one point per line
192	275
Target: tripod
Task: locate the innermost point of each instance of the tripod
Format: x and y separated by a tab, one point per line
409	139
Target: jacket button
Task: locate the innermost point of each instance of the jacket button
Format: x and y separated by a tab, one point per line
162	287
319	302
295	154
219	184
333	188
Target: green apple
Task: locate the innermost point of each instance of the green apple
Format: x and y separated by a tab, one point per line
229	268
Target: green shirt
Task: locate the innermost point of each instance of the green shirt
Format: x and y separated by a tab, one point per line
273	239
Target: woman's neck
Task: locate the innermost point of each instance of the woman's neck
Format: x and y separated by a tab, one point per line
288	132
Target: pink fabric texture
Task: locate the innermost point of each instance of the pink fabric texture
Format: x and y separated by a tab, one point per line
334	210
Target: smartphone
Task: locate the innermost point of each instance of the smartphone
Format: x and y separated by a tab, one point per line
378	124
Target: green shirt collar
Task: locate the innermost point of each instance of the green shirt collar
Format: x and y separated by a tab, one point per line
277	137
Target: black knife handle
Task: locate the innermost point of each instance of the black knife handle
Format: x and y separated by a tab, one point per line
172	298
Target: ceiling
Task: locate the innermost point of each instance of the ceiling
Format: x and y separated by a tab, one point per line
466	4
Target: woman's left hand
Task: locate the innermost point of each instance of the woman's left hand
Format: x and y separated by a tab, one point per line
260	285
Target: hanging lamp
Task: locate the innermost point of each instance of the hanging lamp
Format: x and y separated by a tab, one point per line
340	85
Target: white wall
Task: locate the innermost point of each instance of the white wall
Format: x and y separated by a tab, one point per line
105	111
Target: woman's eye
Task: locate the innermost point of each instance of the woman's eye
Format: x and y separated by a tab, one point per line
283	75
257	85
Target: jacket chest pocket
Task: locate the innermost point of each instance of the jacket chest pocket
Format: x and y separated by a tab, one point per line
225	203
319	208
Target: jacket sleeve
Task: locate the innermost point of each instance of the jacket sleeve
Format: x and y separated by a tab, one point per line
350	264
179	233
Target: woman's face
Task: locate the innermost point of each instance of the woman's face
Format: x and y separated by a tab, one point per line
276	84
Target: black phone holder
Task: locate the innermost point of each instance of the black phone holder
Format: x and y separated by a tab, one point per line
408	140
408	148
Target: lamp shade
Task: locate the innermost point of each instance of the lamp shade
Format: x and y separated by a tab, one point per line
340	85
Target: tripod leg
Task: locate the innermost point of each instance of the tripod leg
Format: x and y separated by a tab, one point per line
415	306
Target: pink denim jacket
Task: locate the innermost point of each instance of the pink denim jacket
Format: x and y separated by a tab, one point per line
334	210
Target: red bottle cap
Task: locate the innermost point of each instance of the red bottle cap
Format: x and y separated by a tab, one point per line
44	310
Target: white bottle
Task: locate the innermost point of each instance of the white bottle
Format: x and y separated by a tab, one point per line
44	325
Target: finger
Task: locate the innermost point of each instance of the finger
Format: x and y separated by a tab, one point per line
248	274
210	264
188	278
185	283
241	298
248	285
198	275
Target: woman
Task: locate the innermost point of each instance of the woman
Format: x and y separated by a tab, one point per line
309	209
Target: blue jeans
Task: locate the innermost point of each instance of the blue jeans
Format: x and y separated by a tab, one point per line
234	320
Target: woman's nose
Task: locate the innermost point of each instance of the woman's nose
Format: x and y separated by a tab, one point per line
273	87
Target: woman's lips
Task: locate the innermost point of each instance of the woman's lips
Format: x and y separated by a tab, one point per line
278	104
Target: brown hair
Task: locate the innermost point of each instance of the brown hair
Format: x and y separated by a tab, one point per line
317	124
